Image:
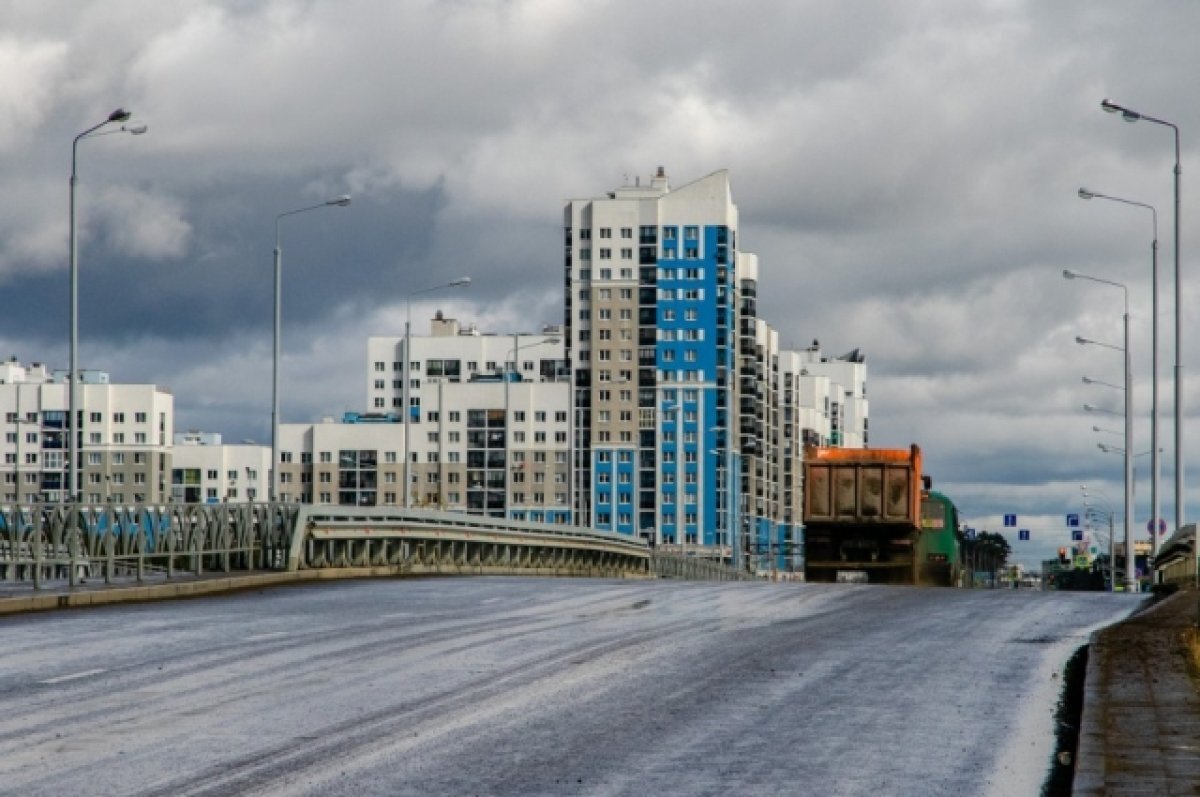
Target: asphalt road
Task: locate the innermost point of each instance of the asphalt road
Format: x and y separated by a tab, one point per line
492	686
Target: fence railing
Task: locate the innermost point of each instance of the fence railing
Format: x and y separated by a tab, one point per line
74	542
41	543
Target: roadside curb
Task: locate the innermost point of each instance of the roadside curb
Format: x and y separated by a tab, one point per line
60	597
1140	729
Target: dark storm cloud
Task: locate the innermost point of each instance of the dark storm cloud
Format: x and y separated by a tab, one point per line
905	172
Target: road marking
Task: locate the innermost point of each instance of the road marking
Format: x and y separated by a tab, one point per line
60	679
490	600
395	614
261	637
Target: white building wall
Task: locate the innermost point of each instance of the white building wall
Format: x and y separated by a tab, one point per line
126	433
207	471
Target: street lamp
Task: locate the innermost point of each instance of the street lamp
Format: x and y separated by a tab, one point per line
1091	514
460	282
73	489
508	436
732	485
1155	464
1130	115
337	202
1087	380
676	406
1068	274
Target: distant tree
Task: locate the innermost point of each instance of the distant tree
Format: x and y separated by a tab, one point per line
988	552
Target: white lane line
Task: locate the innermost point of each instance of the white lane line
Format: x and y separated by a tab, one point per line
395	614
490	600
261	637
62	678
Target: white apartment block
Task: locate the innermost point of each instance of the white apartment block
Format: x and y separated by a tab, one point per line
489	429
206	470
124	437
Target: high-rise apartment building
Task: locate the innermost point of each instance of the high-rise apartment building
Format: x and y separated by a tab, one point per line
691	420
124	437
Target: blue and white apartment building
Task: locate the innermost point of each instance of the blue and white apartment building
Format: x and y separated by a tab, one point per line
687	431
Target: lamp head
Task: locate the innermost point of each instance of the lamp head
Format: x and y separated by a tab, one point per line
1110	106
1086	194
119	115
461	282
1087	380
341	201
1081	340
1068	274
1088	408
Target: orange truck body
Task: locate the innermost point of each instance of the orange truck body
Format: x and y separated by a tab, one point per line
862	514
862	486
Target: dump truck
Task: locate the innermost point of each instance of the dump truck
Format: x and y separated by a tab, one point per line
862	515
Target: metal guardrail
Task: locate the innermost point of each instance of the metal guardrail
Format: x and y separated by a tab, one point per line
42	543
427	541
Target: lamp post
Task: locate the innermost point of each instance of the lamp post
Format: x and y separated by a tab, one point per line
460	282
339	202
508	436
73	488
1068	274
1155	460
1130	115
1092	514
675	406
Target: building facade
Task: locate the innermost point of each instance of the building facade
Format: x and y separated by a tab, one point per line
692	421
124	439
488	429
206	470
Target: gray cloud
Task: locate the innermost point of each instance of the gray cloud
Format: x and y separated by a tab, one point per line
906	173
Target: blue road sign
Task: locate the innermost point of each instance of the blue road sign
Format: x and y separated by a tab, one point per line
1162	525
1010	520
1072	519
1023	534
969	533
1077	535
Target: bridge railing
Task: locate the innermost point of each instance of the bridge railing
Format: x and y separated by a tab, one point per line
429	541
73	542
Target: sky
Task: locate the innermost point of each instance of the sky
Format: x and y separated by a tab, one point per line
907	174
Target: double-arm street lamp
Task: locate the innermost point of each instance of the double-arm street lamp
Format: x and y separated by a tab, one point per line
1155	463
1130	115
1068	274
337	202
460	282
72	490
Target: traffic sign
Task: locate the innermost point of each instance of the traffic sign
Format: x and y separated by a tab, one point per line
1072	519
1010	520
1077	535
1162	525
969	533
1023	534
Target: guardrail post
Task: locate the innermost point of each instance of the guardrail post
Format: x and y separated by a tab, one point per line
110	544
35	516
73	547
